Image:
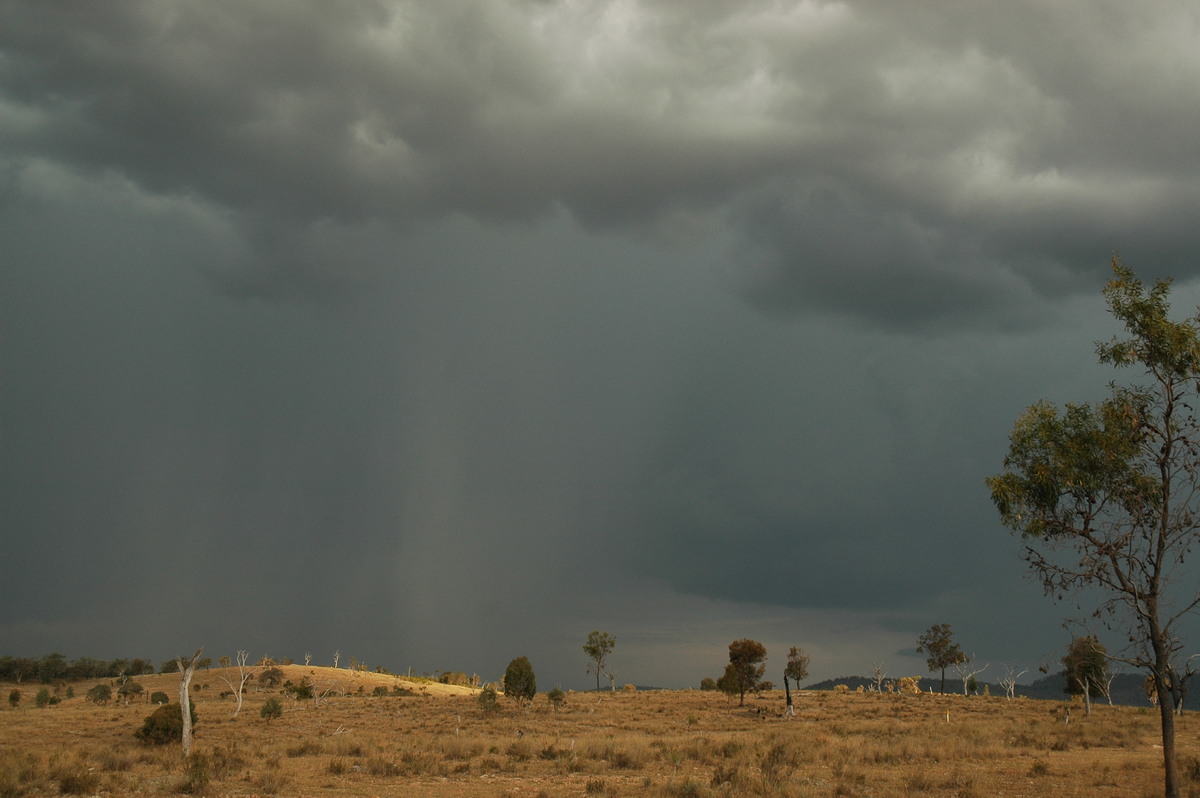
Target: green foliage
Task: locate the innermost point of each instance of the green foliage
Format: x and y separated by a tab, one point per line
1107	496
728	683
557	698
797	665
300	691
158	697
937	643
708	683
130	690
271	677
746	665
271	709
100	694
520	684
42	699
14	697
165	725
598	646
51	667
1086	665
488	699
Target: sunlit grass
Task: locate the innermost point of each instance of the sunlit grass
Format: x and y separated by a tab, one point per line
655	743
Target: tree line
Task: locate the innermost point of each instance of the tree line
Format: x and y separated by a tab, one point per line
55	667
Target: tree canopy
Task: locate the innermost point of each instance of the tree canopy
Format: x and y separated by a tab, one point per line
1105	495
940	649
598	646
746	665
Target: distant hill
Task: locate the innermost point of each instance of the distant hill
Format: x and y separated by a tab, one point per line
1126	688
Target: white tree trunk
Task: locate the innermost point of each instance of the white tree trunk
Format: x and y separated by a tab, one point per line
187	667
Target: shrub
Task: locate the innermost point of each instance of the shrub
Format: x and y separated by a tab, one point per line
42	699
158	697
557	698
298	691
100	694
520	684
488	700
164	725
708	683
271	677
130	690
271	709
14	697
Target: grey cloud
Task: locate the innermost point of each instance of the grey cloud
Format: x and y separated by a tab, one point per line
933	121
590	307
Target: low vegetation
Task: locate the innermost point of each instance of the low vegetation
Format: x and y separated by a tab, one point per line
434	739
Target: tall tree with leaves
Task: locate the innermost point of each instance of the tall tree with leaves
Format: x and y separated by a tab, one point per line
940	650
520	683
746	661
1086	668
795	670
1107	495
598	646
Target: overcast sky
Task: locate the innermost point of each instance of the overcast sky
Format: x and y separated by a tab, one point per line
444	333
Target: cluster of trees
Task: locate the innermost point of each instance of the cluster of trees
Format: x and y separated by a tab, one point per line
747	665
55	667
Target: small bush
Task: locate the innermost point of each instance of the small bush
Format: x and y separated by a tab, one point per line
100	694
42	699
14	697
271	709
300	691
130	690
520	683
271	677
557	698
164	725
488	700
159	697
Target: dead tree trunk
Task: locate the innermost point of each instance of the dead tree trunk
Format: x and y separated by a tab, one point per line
187	667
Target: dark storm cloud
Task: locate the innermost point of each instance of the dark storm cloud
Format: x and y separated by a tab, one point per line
956	137
665	316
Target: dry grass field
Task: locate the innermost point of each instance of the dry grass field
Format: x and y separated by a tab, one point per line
436	741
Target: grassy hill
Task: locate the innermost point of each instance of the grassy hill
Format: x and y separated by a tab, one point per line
382	735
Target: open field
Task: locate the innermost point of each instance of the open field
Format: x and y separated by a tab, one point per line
438	742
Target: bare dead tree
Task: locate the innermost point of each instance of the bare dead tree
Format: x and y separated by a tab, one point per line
244	674
966	673
187	667
337	655
1009	680
878	675
307	659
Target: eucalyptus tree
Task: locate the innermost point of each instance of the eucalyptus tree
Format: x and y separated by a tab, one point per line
1105	495
598	646
940	650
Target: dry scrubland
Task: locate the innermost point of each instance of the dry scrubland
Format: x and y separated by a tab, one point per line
438	742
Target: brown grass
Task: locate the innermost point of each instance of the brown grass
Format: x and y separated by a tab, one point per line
435	741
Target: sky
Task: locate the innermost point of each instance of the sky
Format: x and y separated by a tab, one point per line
437	334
